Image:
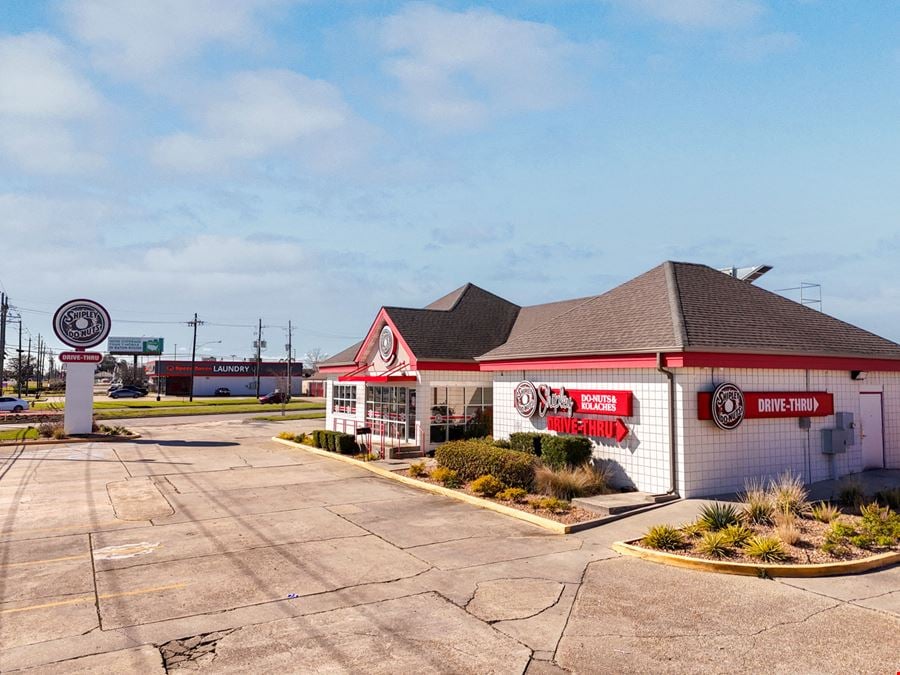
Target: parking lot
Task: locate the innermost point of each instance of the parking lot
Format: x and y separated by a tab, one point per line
205	546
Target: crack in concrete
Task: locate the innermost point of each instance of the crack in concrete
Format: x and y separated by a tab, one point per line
517	618
202	647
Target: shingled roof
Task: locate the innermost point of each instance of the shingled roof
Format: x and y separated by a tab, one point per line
675	307
688	307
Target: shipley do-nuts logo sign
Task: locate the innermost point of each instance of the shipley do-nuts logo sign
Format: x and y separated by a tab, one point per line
529	399
728	407
387	346
81	323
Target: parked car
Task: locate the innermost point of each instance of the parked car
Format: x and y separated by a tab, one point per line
275	397
113	387
222	391
127	392
12	404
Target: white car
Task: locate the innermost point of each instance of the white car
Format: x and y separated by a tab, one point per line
10	404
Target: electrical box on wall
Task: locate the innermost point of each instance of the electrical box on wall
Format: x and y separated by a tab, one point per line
844	420
835	441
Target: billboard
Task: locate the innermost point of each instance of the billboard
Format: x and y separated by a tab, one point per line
138	346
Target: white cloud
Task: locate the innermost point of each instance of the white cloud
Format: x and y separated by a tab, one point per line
758	47
43	100
257	113
138	38
458	69
38	82
703	14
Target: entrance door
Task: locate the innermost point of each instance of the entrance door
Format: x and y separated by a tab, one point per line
871	430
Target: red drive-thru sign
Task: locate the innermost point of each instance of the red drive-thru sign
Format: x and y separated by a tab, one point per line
559	406
774	404
81	357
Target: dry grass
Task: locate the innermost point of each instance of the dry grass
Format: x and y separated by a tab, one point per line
582	481
758	507
789	494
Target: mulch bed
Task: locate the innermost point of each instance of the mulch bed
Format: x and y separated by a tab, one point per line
571	517
807	549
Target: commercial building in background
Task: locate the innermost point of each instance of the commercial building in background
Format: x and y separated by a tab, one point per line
686	379
239	377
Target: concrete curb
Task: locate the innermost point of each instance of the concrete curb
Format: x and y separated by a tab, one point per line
63	441
546	523
758	569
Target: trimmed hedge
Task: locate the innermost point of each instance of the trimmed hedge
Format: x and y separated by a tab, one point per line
334	441
561	451
317	437
345	444
526	441
471	459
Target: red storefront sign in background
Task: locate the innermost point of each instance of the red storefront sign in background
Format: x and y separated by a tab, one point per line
774	404
601	402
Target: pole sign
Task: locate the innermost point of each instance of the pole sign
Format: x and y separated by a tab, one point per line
81	323
560	405
80	357
137	346
728	406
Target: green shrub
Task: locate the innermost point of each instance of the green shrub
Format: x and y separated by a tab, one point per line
471	459
718	516
837	538
880	527
446	477
486	486
737	535
512	495
344	443
567	483
526	441
561	451
317	438
716	544
416	469
789	494
551	504
889	497
663	537
692	530
767	549
851	493
502	443
825	512
284	435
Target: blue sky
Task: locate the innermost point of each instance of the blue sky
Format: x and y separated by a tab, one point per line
315	160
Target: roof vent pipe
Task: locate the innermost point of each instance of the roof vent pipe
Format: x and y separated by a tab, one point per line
673	468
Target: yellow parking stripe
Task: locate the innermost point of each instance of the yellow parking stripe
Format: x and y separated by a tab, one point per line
90	598
48	560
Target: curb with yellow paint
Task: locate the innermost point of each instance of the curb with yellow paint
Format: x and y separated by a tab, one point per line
758	569
63	441
546	523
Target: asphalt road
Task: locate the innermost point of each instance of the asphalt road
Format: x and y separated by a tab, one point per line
206	547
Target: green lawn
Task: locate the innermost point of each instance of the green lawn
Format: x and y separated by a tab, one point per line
130	411
18	434
291	416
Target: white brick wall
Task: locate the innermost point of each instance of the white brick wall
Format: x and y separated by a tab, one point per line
642	459
710	461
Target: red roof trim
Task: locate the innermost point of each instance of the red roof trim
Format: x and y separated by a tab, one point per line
447	365
383	316
337	369
382	378
570	363
783	362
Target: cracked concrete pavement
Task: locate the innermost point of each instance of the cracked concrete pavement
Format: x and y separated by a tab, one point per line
206	547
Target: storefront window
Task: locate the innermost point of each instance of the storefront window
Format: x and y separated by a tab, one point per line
460	412
343	399
390	411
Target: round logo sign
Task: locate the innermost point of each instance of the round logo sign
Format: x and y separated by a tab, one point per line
81	323
525	399
728	406
387	346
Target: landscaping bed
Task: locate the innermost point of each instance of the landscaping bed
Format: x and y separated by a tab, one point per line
54	431
778	526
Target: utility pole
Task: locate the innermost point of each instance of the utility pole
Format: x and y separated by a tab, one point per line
290	390
19	370
4	309
29	369
194	323
39	364
258	354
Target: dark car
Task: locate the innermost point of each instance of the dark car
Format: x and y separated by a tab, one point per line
222	391
275	397
128	392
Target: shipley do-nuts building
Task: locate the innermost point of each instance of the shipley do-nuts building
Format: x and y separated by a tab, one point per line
687	379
